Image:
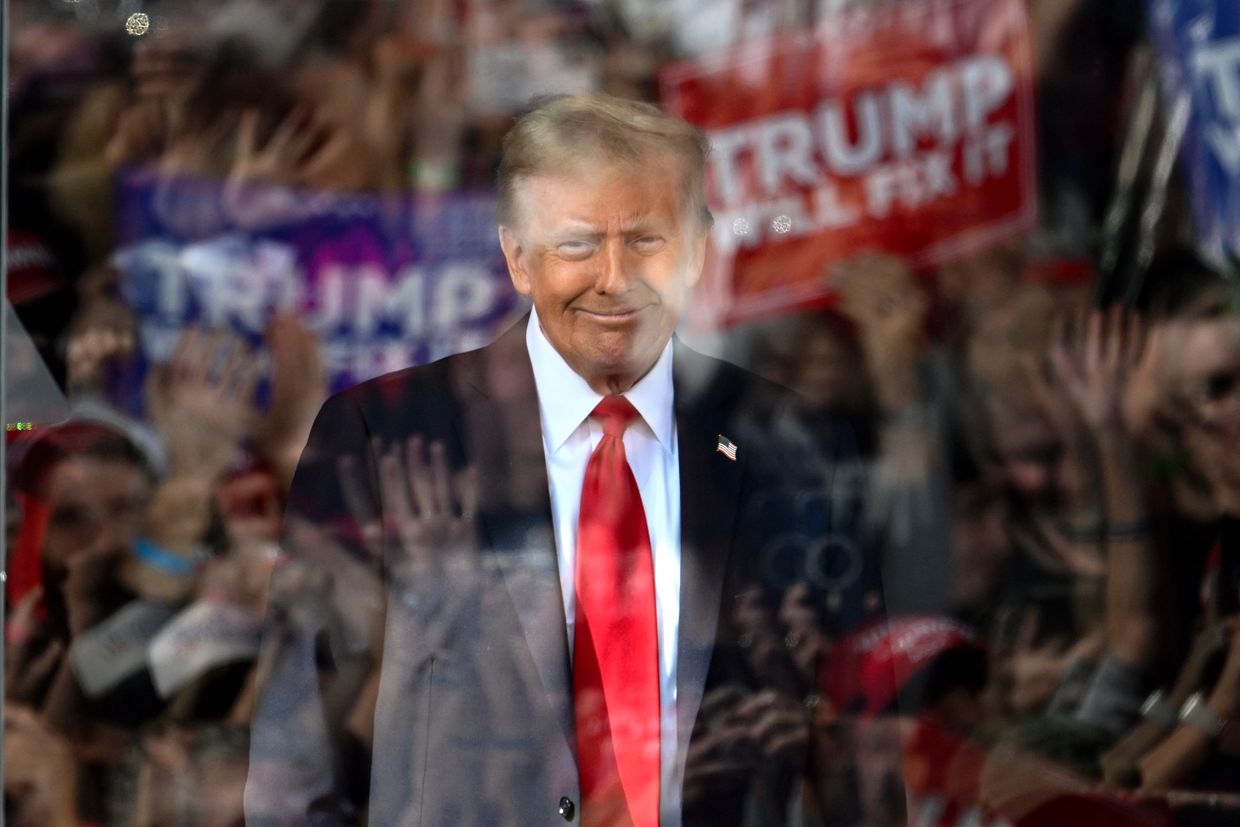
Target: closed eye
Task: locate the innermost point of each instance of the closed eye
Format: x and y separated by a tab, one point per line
575	249
649	242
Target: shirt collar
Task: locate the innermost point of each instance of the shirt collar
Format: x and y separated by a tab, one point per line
574	399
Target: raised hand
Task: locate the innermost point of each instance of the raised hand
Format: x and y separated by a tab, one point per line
740	731
1094	359
723	752
26	672
140	135
441	104
201	401
1077	474
276	159
1033	670
298	388
162	73
193	148
40	772
881	295
429	511
1148	389
305	149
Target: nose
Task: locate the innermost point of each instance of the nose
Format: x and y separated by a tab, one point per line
1030	476
111	534
116	524
613	277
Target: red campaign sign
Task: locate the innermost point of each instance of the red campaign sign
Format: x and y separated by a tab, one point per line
908	129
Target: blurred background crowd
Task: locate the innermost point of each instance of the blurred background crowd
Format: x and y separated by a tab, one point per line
1047	427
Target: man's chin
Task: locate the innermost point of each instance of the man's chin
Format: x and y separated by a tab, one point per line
622	348
617	370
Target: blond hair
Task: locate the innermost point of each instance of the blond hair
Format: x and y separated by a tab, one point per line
561	127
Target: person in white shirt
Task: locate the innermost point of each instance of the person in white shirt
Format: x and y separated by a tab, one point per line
463	490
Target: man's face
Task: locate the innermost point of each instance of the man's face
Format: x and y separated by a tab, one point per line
95	503
608	256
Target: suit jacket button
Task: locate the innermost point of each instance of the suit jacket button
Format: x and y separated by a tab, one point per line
567	808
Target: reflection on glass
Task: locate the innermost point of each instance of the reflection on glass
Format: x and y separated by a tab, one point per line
926	513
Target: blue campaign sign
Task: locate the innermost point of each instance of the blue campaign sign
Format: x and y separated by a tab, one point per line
1199	45
385	281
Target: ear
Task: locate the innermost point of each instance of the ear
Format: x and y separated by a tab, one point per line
697	255
513	254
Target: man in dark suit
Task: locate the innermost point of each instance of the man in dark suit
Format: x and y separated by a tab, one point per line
523	581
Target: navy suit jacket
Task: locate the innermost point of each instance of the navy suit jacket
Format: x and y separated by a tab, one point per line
468	684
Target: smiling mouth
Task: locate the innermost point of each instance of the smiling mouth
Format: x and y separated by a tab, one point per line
612	315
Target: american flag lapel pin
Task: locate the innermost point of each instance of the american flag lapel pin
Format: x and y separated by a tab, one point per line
726	447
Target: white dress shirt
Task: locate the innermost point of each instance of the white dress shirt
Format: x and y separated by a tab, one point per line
570	436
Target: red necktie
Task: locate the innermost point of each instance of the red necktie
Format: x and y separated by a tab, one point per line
615	643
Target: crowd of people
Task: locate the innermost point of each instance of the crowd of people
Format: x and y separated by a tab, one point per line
1035	603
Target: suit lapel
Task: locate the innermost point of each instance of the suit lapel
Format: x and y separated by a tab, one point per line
710	485
504	438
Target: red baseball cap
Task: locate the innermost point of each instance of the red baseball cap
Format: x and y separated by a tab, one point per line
868	668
